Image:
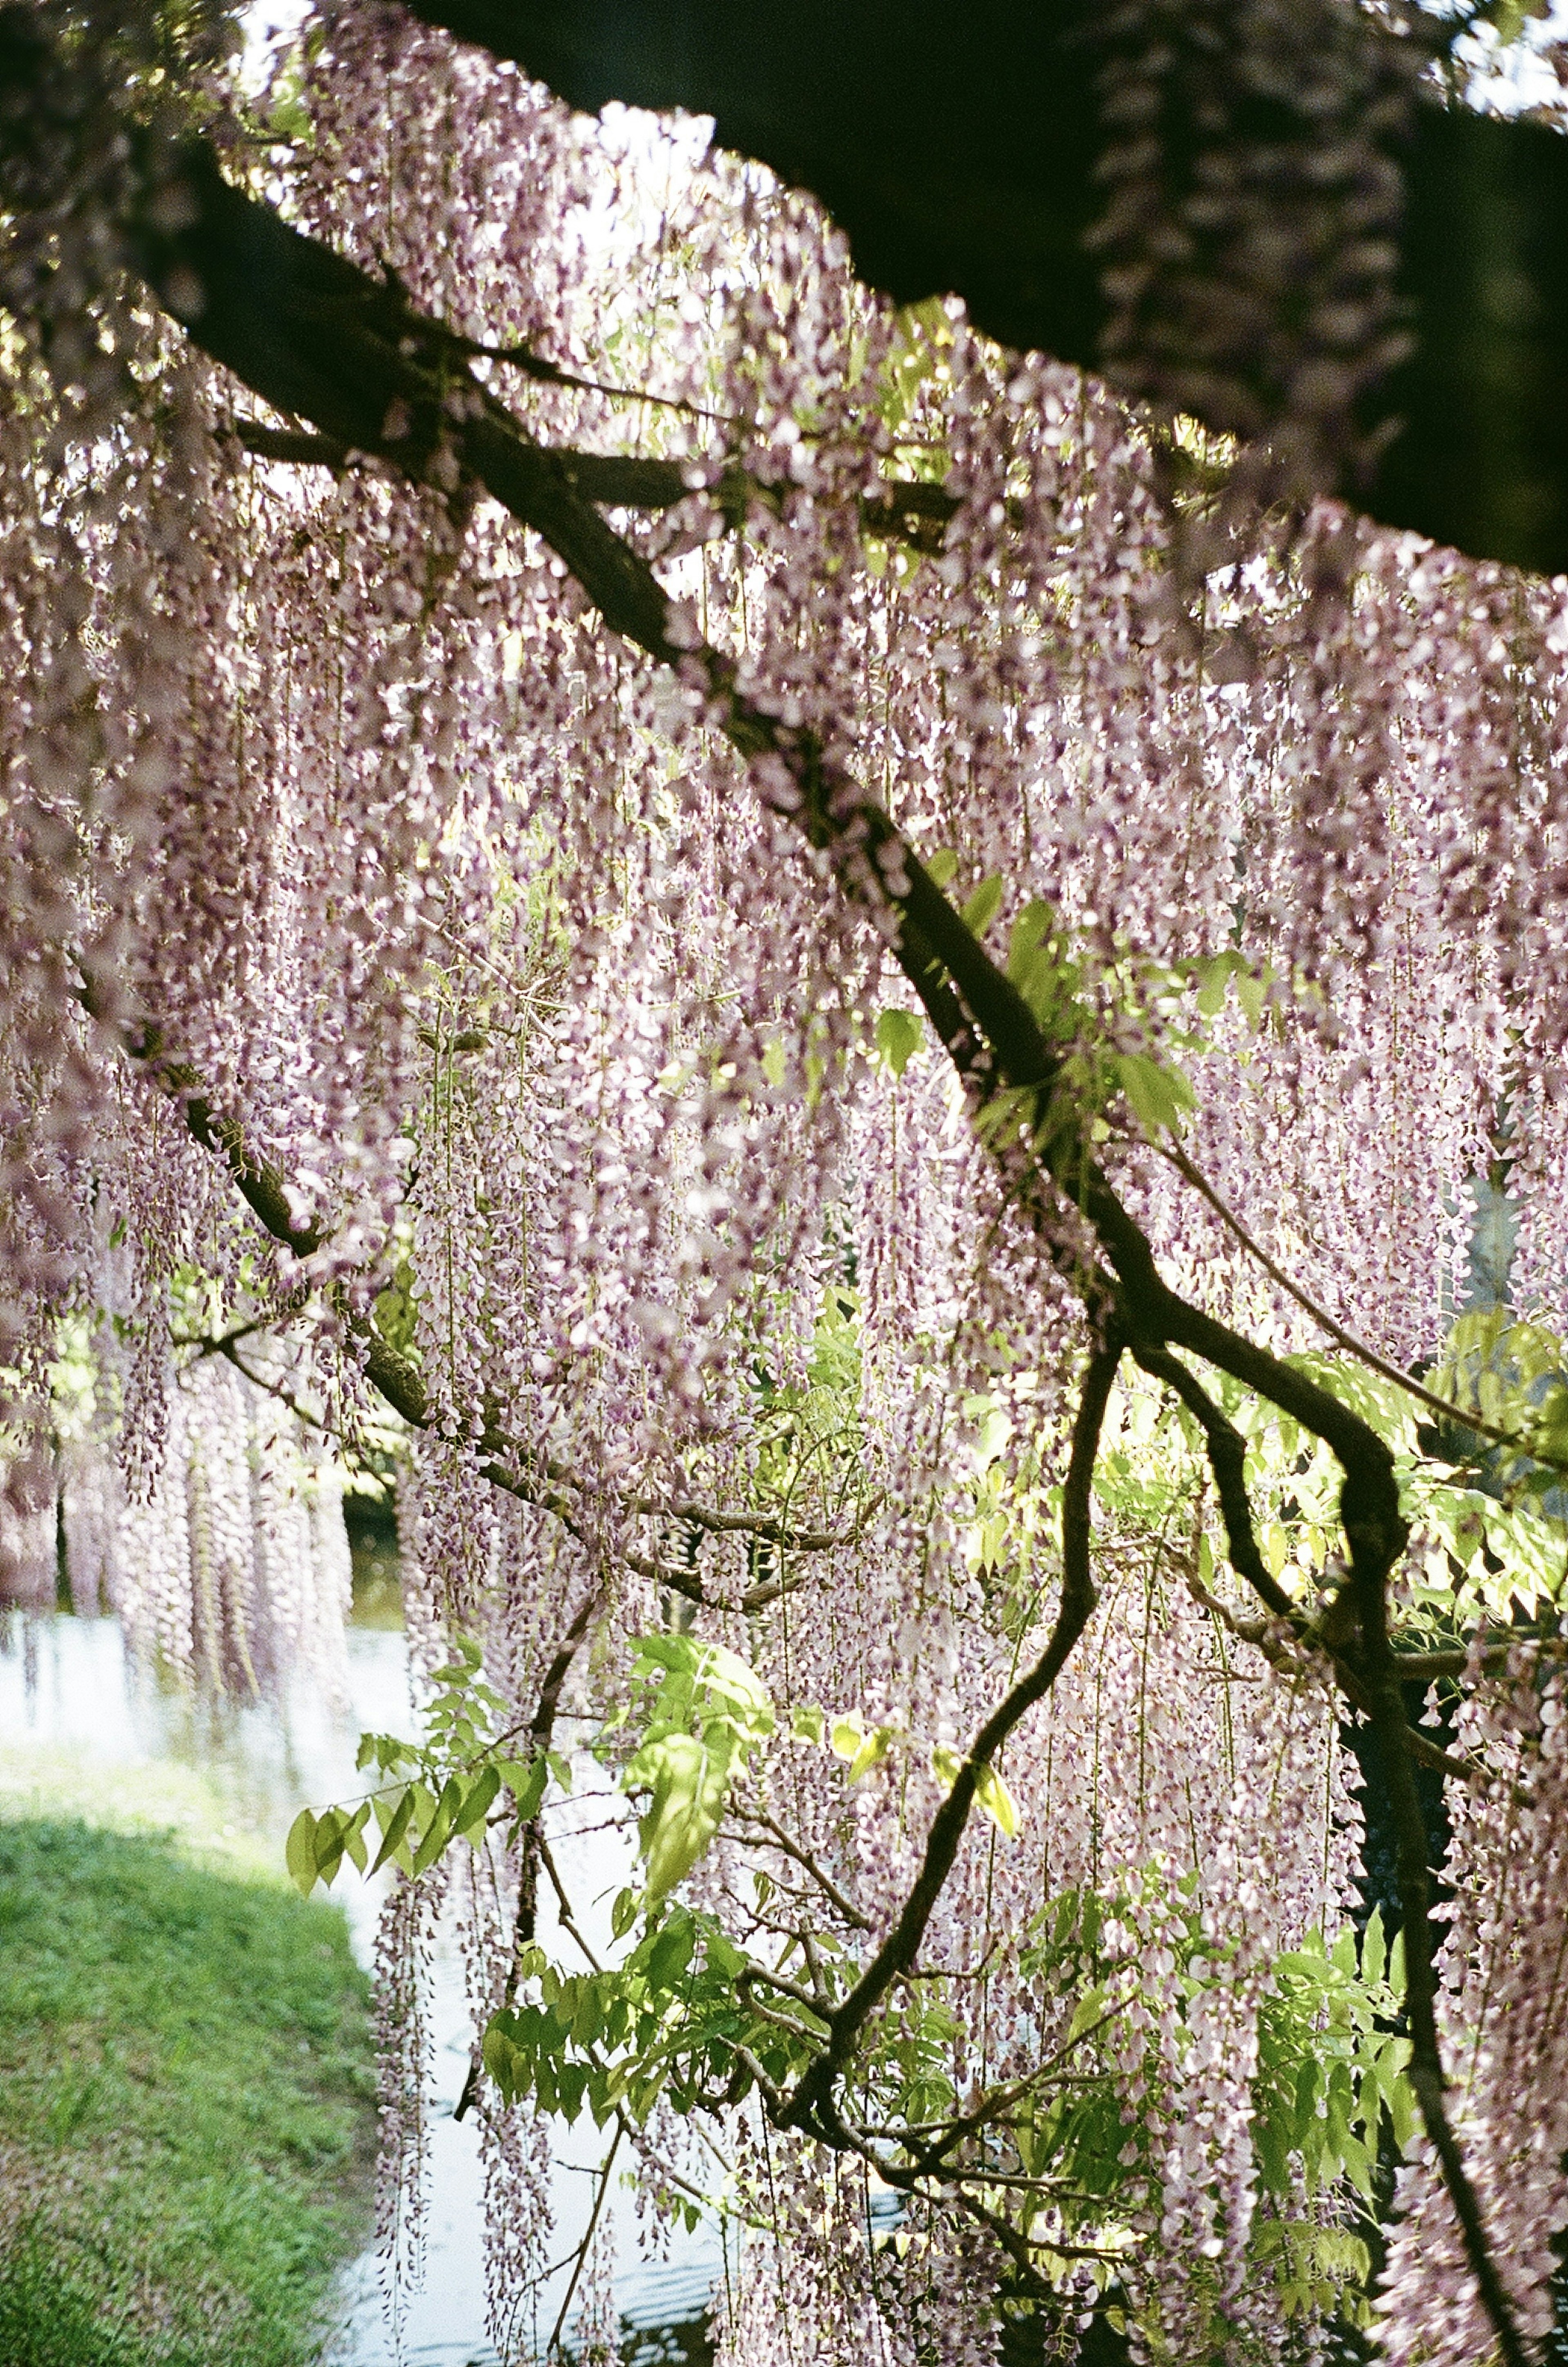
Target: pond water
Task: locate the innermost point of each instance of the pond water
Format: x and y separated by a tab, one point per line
80	1731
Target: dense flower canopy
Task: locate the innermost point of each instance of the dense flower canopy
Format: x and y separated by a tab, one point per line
754	1243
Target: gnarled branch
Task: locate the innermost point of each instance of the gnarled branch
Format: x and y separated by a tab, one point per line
812	2105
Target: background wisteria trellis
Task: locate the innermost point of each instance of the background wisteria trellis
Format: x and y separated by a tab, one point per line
555	1003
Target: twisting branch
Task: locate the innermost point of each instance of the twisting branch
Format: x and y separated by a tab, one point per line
563	1903
761	1526
1265	1635
541	1731
1228	1457
515	1469
1227	1460
1426	2073
808	2108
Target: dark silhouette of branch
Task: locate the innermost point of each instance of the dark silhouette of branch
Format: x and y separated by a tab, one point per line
901	510
1227	1459
815	2091
1426	2073
554	2343
541	1732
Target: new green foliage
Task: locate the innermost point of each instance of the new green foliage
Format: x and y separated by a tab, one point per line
706	1713
442	1790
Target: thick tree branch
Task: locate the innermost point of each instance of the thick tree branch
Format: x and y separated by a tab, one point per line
961	150
1227	1460
901	510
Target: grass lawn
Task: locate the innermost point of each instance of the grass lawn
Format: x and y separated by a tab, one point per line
185	2116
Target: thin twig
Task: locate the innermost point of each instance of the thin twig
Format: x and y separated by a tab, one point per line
554	2343
778	1839
564	1904
1336	1330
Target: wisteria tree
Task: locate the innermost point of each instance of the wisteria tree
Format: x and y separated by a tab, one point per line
862	986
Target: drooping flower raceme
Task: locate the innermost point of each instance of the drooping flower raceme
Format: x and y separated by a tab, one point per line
350	859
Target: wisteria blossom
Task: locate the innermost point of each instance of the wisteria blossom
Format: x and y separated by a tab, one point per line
870	987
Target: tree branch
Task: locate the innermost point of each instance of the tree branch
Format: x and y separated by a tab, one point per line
1426	2073
554	2343
541	1728
815	2091
908	510
1227	1460
1336	1331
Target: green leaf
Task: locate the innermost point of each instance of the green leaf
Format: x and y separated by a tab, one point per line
438	1833
671	1953
506	2062
397	1827
397	1310
1213	977
808	1724
701	1680
331	1826
352	1838
688	1781
1251	991
1087	2011
981	909
941	866
721	1957
1374	1951
526	1780
1358	2163
873	1748
623	1914
299	1851
997	1801
1038	966
1155	1094
899	1036
570	2085
470	1819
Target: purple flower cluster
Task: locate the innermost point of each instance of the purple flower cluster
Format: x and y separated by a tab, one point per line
330	803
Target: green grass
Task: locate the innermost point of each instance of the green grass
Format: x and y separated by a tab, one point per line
185	2082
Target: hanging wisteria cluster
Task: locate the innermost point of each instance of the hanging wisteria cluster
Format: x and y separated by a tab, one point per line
701	887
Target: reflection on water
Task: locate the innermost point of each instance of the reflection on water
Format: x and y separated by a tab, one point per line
82	1733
